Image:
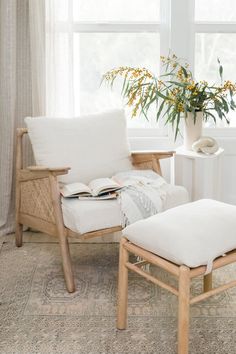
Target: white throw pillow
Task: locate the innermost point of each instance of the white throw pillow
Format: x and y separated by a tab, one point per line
193	234
93	146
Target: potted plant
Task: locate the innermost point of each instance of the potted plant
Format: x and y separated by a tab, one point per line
176	95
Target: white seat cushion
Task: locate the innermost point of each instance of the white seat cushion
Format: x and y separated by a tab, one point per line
86	216
193	234
93	146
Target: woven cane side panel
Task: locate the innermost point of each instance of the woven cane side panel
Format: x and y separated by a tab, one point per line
36	199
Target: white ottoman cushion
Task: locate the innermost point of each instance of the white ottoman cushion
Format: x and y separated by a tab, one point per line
192	234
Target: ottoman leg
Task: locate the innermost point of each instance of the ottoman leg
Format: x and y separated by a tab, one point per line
122	287
183	320
207	282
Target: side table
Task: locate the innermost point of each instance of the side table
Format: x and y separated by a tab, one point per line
200	174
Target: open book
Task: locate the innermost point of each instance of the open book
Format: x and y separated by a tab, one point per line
100	188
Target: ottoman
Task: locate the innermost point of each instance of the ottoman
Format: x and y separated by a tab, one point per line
190	240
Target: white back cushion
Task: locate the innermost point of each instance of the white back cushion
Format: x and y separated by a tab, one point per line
93	146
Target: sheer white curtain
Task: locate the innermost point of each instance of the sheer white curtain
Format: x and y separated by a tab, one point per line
59	58
75	62
37	52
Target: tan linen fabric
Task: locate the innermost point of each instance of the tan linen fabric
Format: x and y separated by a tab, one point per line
15	97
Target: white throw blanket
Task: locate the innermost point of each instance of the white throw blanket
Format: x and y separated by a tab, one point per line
142	196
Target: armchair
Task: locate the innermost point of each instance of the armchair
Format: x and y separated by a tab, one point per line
38	199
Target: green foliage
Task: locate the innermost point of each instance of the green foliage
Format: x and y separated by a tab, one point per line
175	93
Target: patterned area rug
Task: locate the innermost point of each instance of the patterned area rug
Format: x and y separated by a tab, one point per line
39	316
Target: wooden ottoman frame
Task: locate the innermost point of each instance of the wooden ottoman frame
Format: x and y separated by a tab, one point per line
184	275
38	201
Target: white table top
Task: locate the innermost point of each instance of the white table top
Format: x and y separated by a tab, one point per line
189	153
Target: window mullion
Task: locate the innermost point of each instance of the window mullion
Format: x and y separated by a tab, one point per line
182	29
215	27
115	27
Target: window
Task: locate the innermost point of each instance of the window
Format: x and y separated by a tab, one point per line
215	37
93	36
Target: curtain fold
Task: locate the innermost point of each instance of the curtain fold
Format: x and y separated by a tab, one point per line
22	90
37	52
8	48
59	58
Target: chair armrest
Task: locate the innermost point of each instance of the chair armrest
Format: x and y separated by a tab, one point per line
39	172
150	159
145	156
50	169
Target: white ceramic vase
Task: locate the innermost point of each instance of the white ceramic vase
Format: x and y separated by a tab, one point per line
192	132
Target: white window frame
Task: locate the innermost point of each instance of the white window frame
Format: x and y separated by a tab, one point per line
72	27
177	30
210	27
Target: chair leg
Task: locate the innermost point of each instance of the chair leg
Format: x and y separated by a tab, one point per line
183	320
122	287
18	234
63	240
207	282
66	263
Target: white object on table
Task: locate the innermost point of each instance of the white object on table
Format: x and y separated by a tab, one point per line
199	173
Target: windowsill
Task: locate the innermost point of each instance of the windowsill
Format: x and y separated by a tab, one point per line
163	132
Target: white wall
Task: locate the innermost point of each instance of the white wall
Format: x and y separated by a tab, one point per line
229	169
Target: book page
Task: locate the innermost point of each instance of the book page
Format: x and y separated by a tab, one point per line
74	189
103	185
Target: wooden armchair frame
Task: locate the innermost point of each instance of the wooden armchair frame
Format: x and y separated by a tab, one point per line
38	203
184	276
